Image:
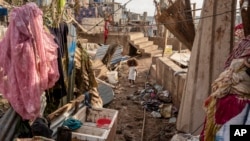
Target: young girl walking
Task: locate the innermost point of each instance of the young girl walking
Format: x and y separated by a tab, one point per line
132	64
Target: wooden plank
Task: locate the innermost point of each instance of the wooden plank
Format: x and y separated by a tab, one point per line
211	47
170	18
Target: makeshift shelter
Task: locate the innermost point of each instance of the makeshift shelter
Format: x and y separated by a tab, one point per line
212	45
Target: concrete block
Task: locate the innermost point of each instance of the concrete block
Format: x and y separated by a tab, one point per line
153	71
140	40
135	35
166	77
144	44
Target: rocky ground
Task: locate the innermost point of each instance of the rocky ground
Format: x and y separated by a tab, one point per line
131	112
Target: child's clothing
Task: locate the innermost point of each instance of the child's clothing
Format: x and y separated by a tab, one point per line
132	73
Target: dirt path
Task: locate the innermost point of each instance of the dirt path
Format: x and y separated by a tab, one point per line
130	119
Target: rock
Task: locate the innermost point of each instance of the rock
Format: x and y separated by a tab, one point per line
138	118
118	108
184	137
166	110
130	126
117	92
156	114
124	103
128	136
119	131
172	120
137	102
129	97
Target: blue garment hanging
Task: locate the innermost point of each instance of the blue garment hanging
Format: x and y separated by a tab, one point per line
3	11
71	46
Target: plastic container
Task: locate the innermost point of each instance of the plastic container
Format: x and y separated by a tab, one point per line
112	77
103	122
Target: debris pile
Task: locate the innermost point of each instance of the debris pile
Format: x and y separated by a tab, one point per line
155	100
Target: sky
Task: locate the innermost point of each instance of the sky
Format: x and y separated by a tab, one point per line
139	6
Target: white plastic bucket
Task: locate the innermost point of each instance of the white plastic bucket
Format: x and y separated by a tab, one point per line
112	77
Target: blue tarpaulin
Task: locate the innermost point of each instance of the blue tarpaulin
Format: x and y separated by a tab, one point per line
3	11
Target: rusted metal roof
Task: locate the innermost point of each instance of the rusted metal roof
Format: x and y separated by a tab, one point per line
102	50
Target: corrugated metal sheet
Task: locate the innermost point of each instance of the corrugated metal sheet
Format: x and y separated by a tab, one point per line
106	93
117	57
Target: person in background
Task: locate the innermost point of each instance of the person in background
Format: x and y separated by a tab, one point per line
132	64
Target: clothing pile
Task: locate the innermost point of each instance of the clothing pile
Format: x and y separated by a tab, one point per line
230	98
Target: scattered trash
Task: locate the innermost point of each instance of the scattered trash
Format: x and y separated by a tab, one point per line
155	100
156	114
172	120
152	105
164	96
166	110
112	77
158	87
184	137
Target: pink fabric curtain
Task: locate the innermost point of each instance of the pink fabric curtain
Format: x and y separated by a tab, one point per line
28	61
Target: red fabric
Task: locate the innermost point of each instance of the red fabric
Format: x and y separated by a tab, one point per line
106	31
239	26
228	107
28	61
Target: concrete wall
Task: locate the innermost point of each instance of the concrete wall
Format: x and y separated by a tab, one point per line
160	41
165	70
88	24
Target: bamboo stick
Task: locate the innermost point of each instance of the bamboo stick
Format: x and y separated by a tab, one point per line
143	126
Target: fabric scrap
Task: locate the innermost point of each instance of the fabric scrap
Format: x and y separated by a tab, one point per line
72	124
28	61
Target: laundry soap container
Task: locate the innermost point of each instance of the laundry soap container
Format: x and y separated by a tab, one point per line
112	77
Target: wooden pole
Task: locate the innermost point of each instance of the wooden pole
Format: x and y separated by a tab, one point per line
143	125
166	33
194	11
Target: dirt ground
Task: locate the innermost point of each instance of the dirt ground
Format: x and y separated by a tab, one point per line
131	113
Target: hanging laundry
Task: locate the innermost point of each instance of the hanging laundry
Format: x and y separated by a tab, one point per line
61	4
28	61
106	31
86	82
61	34
71	46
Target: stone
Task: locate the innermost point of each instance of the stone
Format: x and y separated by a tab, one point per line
172	120
138	118
124	103
128	136
156	114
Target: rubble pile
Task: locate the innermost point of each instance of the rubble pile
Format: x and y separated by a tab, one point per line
155	100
